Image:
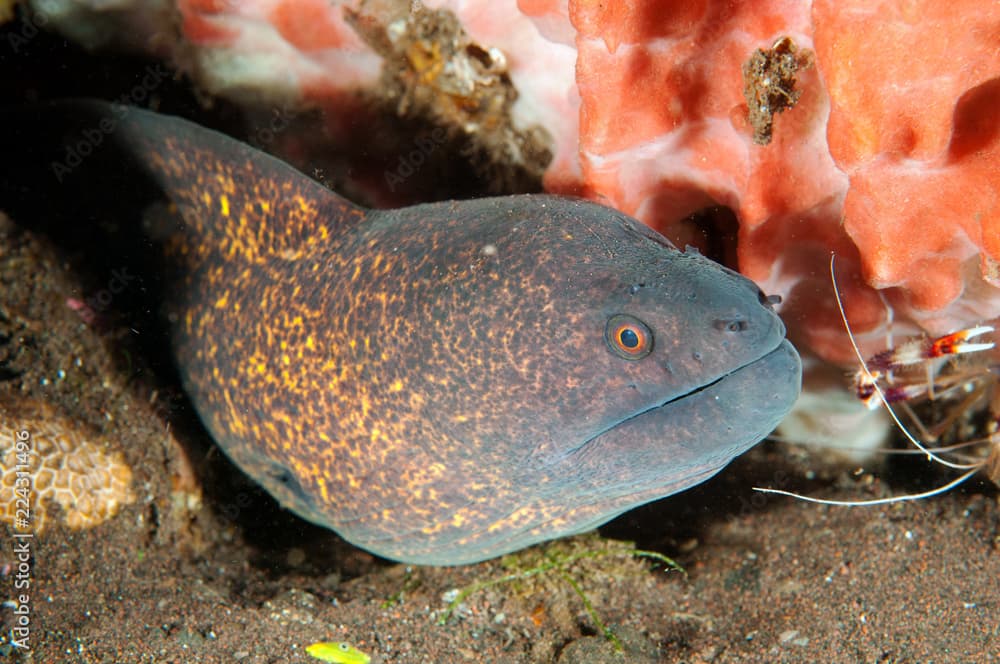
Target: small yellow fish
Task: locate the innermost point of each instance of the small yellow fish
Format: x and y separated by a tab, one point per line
339	653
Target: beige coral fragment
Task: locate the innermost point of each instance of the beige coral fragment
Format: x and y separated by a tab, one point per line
66	465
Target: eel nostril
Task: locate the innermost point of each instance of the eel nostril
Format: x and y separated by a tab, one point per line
730	324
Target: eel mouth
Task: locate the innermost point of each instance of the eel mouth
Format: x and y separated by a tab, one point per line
780	363
714	422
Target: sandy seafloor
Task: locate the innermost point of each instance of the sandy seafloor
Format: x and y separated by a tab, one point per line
204	567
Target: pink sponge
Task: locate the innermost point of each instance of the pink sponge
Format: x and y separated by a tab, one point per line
915	123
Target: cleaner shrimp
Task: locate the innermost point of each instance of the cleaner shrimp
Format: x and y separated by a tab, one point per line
888	380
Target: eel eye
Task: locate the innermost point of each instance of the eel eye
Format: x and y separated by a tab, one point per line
628	337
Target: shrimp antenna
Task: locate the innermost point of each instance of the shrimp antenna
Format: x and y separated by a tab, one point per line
970	468
878	501
874	383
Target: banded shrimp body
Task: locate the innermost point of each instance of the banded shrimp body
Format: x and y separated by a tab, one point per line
942	394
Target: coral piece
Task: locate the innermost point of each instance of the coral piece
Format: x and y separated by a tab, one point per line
538	43
432	69
66	465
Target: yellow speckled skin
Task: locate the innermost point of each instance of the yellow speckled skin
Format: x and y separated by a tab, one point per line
434	383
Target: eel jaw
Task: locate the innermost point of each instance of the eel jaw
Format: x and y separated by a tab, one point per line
703	429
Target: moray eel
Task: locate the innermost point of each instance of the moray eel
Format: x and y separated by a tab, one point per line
445	383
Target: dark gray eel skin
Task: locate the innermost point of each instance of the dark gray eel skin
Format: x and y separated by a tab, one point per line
443	383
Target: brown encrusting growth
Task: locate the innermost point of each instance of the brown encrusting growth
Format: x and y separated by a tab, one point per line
432	69
769	84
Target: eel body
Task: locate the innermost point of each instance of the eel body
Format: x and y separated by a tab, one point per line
448	382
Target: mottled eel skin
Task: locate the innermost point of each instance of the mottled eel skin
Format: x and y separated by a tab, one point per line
449	382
